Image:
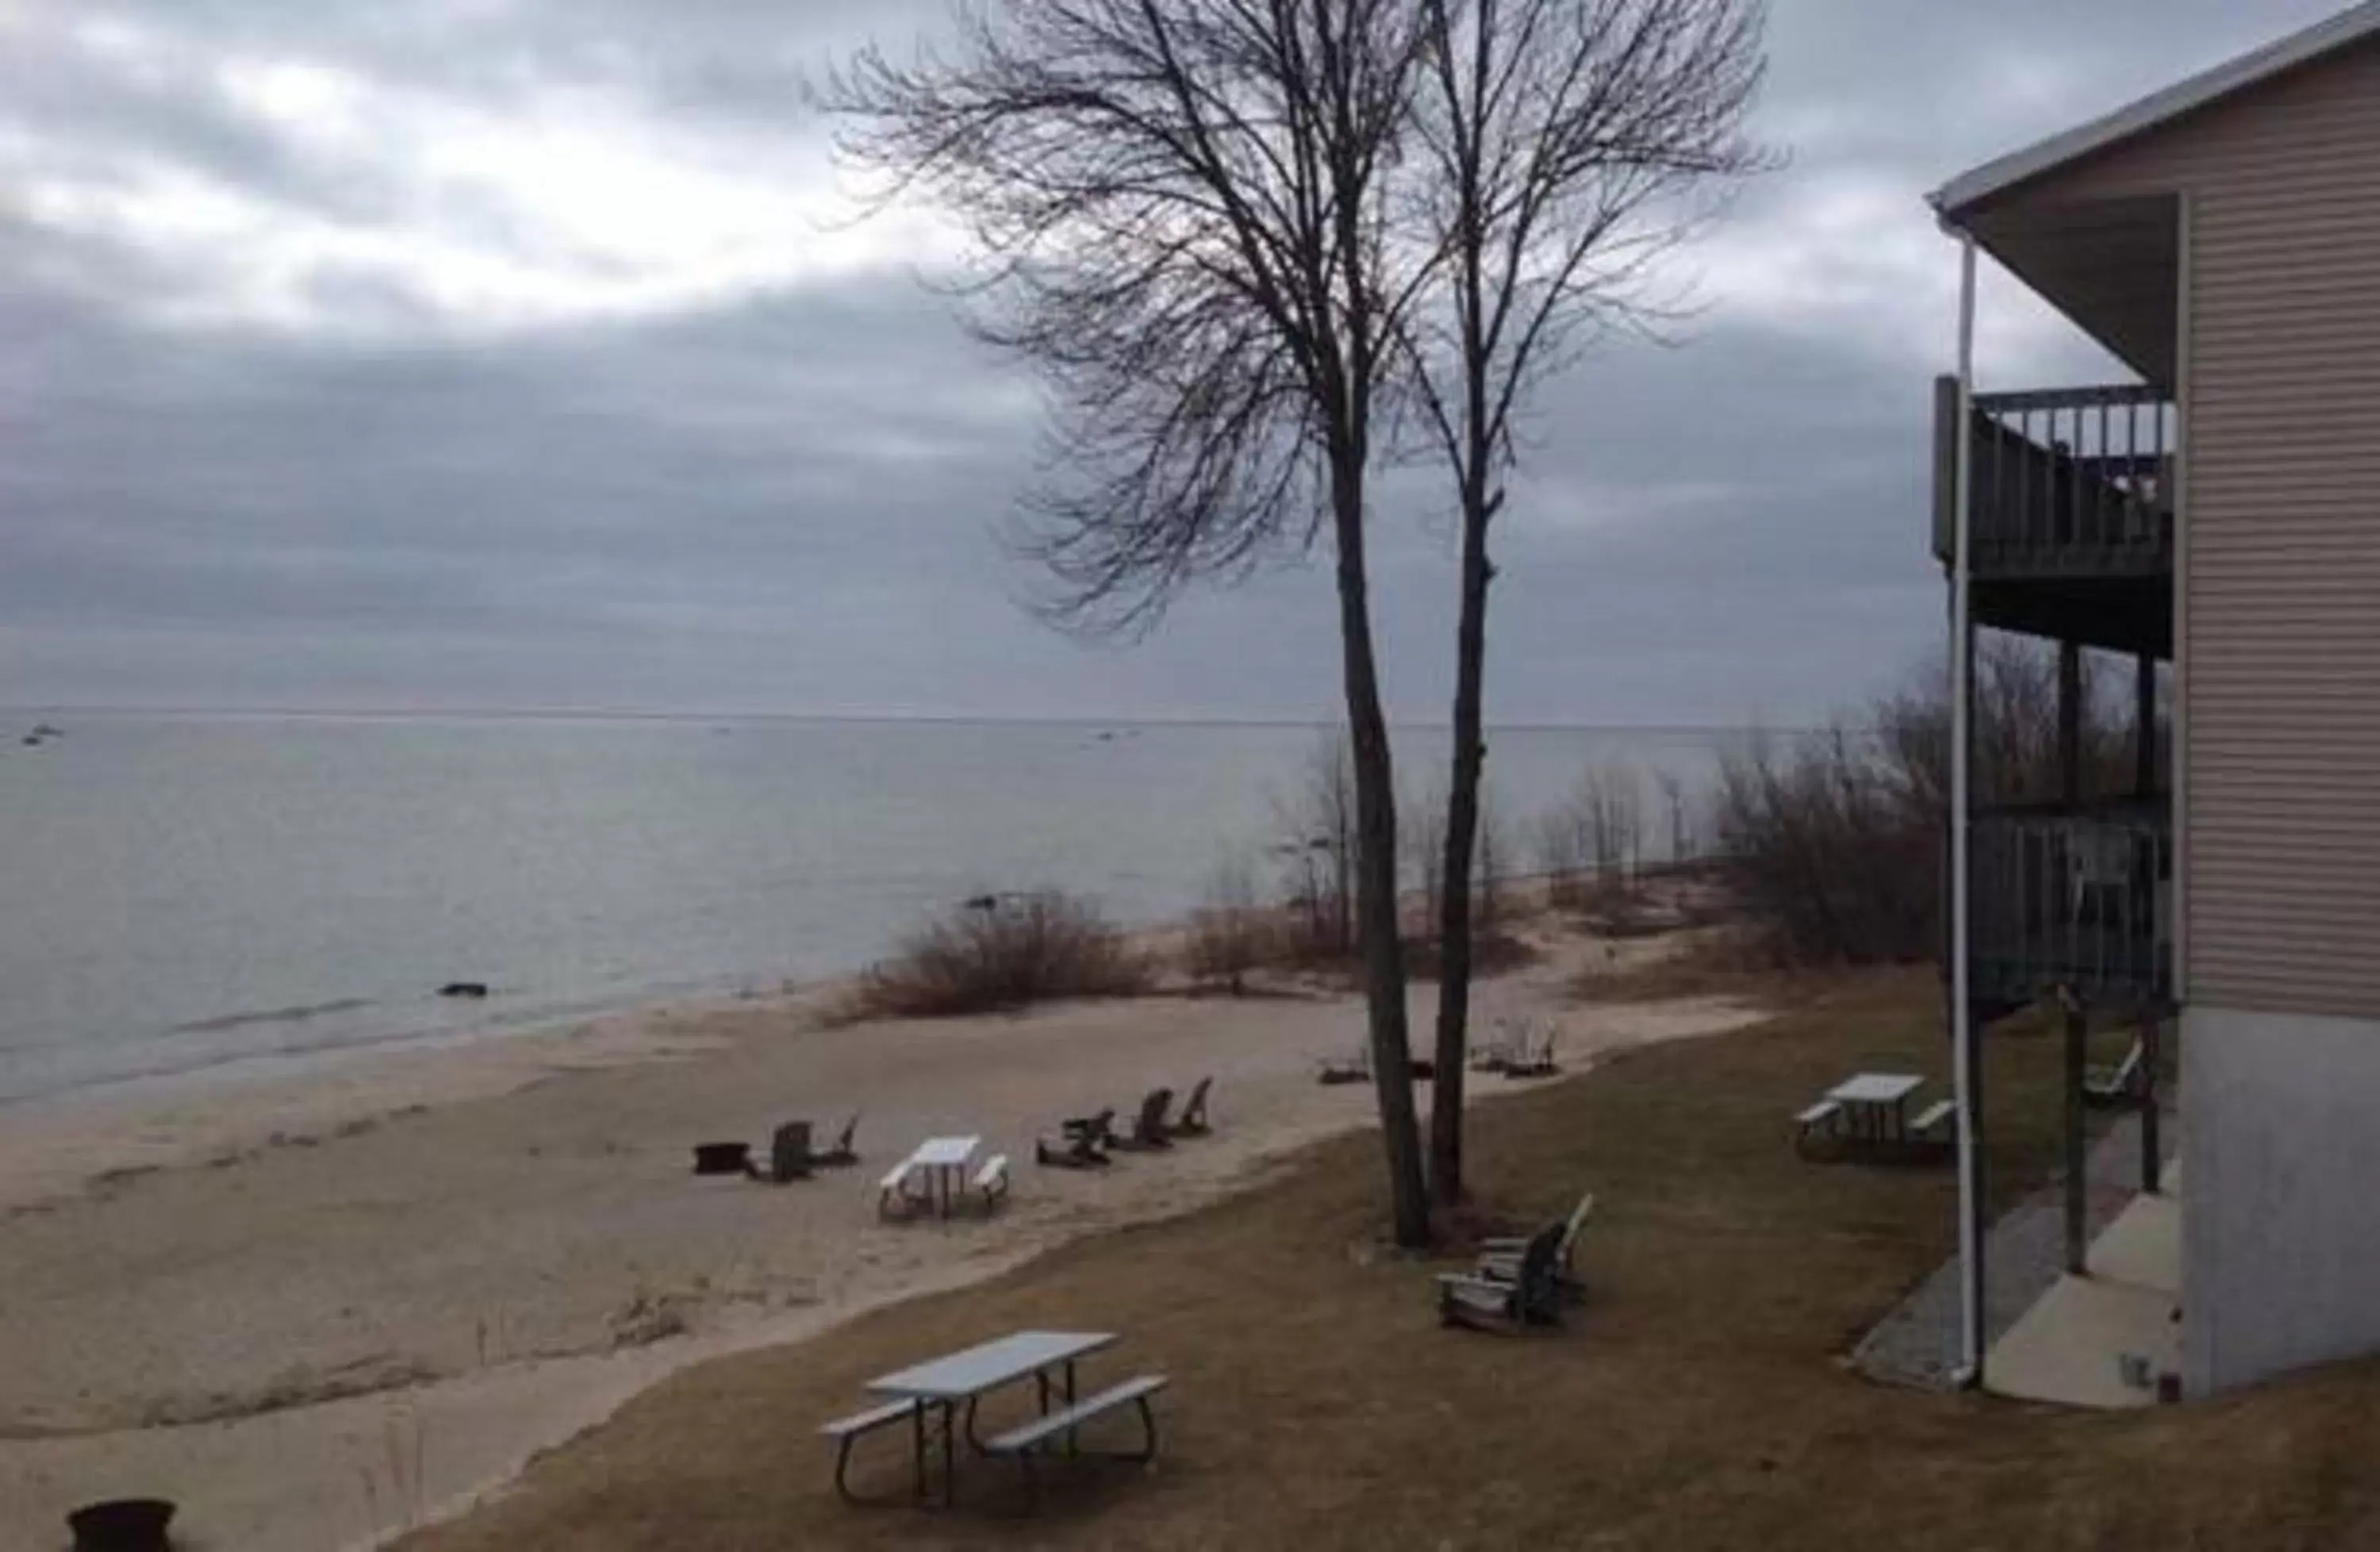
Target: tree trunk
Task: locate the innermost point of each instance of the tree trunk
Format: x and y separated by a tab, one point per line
1376	867
1462	844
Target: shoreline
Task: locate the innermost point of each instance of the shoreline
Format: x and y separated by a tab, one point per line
55	1147
274	1297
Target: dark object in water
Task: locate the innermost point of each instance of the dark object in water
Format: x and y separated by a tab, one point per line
464	988
122	1525
723	1158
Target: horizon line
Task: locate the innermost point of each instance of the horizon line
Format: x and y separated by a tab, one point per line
631	714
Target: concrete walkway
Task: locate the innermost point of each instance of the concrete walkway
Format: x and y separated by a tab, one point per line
2025	1258
2075	1346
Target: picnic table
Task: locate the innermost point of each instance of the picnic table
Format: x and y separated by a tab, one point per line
944	1162
1875	1105
940	1384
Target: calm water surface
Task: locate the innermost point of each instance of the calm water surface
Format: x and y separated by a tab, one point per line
180	893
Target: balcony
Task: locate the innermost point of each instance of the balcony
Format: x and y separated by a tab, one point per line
2079	900
2073	532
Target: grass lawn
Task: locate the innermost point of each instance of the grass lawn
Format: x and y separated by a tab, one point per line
1698	1400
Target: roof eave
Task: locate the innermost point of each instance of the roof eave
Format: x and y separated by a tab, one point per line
1969	189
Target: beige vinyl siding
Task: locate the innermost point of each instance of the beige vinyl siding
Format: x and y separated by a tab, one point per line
2281	646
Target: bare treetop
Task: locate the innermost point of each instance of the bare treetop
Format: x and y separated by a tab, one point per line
1565	145
1177	208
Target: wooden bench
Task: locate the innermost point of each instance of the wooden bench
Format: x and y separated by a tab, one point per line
1028	1439
846	1432
1933	1116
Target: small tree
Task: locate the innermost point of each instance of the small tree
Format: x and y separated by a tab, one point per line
1555	144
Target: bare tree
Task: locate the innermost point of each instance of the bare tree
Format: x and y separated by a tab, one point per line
1561	852
1557	144
1182	209
1673	800
1610	803
1318	840
1425	831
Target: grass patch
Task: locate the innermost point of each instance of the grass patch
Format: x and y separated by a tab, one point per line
1697	1403
999	954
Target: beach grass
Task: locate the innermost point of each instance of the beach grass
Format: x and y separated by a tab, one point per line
1698	1400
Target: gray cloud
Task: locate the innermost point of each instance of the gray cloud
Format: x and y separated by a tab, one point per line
322	389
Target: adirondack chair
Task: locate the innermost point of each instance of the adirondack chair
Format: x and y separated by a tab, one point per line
1193	1121
1097	1131
842	1152
1534	1060
2119	1084
1501	1259
1149	1128
1080	1150
789	1153
1534	1297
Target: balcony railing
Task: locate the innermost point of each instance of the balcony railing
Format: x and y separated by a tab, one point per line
2068	482
2078	900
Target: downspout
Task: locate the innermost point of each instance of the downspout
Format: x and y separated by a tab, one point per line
1962	1035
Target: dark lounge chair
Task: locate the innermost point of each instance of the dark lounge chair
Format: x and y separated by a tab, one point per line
1193	1121
1352	1070
843	1153
1078	1152
789	1153
1098	1130
1149	1128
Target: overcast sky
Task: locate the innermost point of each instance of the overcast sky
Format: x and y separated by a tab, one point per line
479	353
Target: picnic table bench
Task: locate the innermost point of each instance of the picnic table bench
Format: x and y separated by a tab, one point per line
1870	1112
942	1162
928	1397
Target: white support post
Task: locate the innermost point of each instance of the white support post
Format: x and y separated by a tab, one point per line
1962	1035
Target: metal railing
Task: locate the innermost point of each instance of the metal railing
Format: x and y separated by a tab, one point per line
2067	482
2078	900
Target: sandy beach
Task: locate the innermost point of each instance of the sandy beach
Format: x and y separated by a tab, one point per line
322	1307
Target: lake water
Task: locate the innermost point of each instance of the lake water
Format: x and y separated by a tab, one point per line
180	893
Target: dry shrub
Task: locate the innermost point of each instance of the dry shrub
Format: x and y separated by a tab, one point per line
1231	937
1834	842
997	954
